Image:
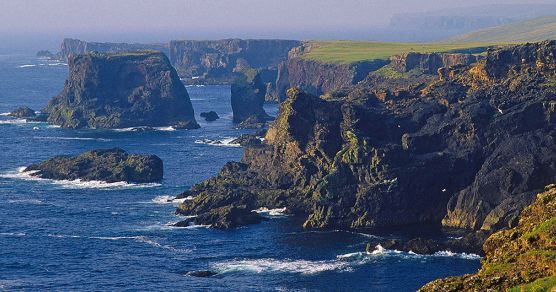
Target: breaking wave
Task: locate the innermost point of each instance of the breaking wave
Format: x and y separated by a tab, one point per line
380	251
283	266
166	199
278	212
226	142
74	184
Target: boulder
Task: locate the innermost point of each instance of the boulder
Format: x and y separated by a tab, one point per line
108	165
247	140
120	91
23	112
210	116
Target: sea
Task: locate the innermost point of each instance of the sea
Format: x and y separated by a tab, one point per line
74	235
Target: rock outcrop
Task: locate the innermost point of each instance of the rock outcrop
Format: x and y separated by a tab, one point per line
521	258
108	165
45	54
210	116
215	62
469	150
76	47
429	63
121	90
22	112
248	96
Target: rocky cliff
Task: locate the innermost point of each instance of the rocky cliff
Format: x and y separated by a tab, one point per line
522	258
216	61
248	96
108	165
74	47
429	63
469	150
121	90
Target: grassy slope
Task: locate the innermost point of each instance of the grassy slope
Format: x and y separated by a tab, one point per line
533	30
353	51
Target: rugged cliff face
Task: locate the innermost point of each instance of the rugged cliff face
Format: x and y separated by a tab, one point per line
469	150
248	96
75	47
429	63
121	90
216	61
522	258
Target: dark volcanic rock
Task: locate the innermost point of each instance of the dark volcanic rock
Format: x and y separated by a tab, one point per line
120	91
108	165
227	217
248	97
23	112
468	150
210	116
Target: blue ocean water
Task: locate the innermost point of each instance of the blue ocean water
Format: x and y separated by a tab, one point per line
92	236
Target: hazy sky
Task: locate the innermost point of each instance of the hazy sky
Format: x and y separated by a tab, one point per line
161	20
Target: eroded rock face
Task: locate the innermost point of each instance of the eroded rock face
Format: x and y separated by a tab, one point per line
429	63
76	47
108	165
122	90
248	97
468	151
522	257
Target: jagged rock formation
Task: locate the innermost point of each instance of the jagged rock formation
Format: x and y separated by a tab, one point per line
210	116
248	97
121	90
75	47
23	112
521	258
429	63
216	61
469	150
109	165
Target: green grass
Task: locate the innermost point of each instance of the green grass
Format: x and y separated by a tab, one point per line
534	30
544	284
347	52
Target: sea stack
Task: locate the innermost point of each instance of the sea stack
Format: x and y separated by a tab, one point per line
248	97
122	90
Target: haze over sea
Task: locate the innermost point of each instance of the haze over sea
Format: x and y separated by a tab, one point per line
97	236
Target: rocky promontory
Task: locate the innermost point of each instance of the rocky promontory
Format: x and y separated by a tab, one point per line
122	90
468	150
108	165
77	47
522	258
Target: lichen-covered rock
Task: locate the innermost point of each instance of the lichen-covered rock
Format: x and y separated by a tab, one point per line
23	112
121	90
108	165
467	151
248	97
521	258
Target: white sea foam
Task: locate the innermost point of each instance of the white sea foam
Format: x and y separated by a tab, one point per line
57	64
278	212
138	238
26	66
4	114
166	199
283	266
74	184
225	142
13	234
75	138
25	201
381	251
134	129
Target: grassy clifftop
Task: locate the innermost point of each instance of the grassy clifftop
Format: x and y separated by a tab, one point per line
346	52
534	30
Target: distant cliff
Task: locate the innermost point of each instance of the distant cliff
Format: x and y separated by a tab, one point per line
429	63
74	46
121	90
216	61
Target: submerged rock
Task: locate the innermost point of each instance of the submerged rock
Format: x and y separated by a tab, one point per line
108	165
227	217
121	91
247	140
23	112
521	258
210	116
202	274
